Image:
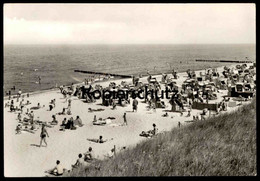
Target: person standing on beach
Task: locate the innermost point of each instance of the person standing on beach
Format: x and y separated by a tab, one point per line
135	103
69	103
125	121
19	117
43	135
31	115
9	93
179	124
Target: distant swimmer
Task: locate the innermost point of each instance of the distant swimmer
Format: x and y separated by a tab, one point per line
21	73
35	70
39	79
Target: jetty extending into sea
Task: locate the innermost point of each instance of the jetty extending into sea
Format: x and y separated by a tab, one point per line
102	73
224	61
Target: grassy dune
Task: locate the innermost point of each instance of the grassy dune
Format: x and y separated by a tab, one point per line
221	146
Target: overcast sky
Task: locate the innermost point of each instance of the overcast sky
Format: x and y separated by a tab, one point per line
129	23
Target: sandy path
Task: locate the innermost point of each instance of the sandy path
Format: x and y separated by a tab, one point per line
22	159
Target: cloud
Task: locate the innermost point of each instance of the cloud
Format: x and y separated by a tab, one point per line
154	23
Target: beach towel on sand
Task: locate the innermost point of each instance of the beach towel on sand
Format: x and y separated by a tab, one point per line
92	110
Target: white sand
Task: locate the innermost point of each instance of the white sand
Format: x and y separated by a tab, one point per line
21	159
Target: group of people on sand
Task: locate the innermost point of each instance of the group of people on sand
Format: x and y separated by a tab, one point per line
26	121
84	160
71	123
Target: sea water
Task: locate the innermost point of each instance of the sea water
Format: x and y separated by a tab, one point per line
55	64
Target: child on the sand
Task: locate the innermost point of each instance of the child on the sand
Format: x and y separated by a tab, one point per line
69	111
54	120
18	129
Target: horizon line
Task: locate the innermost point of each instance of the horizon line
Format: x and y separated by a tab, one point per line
127	43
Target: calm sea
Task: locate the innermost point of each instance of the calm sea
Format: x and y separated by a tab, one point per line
56	63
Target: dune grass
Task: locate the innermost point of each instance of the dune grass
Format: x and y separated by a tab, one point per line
220	146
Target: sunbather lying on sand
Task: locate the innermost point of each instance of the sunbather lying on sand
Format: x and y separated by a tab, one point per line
28	102
165	115
27	119
36	107
30	130
99	122
111	117
100	140
92	110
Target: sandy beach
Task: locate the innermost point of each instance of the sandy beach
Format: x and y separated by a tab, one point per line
23	158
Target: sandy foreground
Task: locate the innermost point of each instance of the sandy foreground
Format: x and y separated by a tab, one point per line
23	158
